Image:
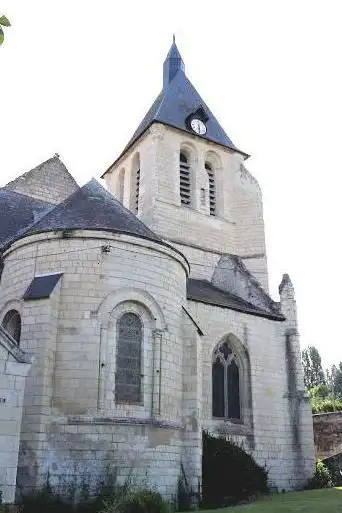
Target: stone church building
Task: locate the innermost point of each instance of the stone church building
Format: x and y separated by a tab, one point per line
140	313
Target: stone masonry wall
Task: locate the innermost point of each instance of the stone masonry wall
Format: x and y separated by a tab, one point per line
50	182
237	228
70	398
327	434
12	385
266	429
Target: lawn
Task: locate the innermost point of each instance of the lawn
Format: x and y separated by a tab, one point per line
315	501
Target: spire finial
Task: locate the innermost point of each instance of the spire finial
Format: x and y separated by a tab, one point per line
173	63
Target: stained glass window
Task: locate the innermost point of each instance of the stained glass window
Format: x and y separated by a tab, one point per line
225	383
128	359
12	324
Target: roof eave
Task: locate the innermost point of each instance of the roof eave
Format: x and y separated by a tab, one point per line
272	317
232	148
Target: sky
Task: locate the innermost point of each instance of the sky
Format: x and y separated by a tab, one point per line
77	76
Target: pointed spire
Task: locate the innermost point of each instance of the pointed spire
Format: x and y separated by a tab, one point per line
173	63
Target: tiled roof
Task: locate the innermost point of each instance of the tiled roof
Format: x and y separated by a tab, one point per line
17	212
176	102
92	207
41	287
204	291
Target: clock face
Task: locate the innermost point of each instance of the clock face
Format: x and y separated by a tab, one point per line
198	126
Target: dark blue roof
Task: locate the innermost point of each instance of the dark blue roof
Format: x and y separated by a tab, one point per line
204	291
17	212
178	100
93	208
41	287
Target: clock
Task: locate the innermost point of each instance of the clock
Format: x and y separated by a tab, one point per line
198	126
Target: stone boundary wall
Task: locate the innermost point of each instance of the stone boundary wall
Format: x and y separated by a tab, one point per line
327	434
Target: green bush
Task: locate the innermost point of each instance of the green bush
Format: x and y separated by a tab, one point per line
326	405
229	474
322	478
140	501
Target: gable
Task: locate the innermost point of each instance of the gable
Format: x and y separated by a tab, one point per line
50	182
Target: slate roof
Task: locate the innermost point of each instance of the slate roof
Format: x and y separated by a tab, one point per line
176	101
93	208
17	212
41	287
204	291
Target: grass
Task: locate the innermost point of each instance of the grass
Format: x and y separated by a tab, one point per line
313	501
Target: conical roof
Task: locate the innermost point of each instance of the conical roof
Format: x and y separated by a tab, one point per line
176	102
17	212
92	208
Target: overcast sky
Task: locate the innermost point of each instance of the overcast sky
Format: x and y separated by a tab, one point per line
77	77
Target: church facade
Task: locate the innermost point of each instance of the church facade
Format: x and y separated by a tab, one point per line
146	311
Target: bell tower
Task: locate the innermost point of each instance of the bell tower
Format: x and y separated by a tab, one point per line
185	179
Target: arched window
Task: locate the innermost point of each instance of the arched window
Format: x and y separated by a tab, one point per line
212	189
121	185
184	177
226	383
135	184
128	359
12	324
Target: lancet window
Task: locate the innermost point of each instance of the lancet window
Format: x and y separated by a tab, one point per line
225	383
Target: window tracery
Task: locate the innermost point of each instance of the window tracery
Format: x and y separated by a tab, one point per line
225	383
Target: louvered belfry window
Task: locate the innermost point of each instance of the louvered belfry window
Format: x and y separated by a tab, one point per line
128	359
185	183
212	189
225	383
137	185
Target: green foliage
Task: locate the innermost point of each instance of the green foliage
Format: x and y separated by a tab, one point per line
4	22
140	501
322	478
229	474
319	391
313	370
327	405
334	378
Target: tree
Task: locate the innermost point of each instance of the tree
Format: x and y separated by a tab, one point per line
313	370
334	379
4	22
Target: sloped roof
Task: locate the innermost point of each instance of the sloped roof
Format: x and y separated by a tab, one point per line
18	212
204	291
93	208
41	287
176	101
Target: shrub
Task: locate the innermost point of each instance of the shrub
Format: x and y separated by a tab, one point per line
326	405
322	478
140	501
229	474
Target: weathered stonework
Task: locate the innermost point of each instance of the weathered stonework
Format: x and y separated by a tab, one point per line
110	265
14	366
50	182
327	434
